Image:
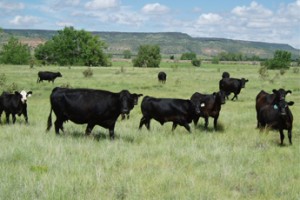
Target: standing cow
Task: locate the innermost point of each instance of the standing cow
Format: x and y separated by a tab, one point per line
278	116
263	98
211	106
89	106
232	85
178	111
162	77
14	104
48	76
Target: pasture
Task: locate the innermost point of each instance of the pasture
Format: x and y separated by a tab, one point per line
236	162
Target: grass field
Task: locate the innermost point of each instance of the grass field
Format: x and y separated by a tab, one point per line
237	162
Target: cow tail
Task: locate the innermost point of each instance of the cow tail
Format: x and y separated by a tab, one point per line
49	123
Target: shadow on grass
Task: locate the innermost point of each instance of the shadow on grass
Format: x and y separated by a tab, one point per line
210	129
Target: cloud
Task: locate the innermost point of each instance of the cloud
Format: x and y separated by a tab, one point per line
11	6
24	20
209	19
254	10
101	4
155	8
64	24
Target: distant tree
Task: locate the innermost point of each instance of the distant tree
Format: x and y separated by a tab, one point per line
172	57
215	60
281	60
148	56
14	52
72	47
188	56
127	54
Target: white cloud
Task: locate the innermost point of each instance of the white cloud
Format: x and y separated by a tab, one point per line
11	6
254	10
209	19
64	24
24	20
155	8
101	4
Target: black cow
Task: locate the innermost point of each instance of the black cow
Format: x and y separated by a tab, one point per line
48	76
88	106
277	116
135	102
232	85
178	111
210	106
263	98
162	77
14	104
225	75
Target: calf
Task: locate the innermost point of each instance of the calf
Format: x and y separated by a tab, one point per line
162	77
210	106
48	76
232	85
178	111
135	102
88	106
14	104
277	116
263	98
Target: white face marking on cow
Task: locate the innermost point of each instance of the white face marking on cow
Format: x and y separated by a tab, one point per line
24	96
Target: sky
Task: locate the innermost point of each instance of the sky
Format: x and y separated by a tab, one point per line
274	21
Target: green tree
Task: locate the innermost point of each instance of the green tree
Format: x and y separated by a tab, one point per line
72	47
14	52
196	62
127	54
188	56
148	56
281	60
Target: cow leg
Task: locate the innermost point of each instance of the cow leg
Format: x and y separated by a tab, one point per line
7	117
89	129
281	136
216	122
206	123
58	125
234	97
290	135
13	118
196	119
174	126
112	132
145	121
187	127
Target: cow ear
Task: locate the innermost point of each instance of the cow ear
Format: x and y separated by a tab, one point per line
29	94
274	91
247	80
17	93
288	92
140	95
290	103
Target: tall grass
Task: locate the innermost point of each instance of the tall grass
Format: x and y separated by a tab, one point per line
238	162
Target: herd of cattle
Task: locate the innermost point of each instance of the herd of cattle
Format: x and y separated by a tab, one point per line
99	107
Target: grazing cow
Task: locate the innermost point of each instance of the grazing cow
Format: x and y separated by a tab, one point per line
263	98
277	116
178	111
225	75
210	106
135	102
14	104
232	85
162	77
88	106
48	76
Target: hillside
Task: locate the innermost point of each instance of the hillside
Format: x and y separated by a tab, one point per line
171	43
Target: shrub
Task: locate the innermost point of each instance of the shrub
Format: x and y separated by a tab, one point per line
88	72
263	72
196	62
188	56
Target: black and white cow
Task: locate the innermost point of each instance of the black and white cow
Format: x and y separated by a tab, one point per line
48	76
88	106
178	111
14	104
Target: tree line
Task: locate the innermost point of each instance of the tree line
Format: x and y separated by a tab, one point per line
72	47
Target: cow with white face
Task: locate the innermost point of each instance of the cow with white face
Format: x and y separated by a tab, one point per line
14	104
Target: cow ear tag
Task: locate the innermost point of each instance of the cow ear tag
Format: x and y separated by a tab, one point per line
202	105
275	107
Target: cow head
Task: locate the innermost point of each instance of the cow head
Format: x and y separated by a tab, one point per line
281	93
221	96
126	100
282	106
136	98
59	74
24	95
243	82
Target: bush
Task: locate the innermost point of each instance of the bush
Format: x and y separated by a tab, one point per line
88	72
148	56
196	62
188	56
263	72
215	60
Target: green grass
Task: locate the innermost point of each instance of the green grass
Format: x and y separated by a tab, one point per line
238	162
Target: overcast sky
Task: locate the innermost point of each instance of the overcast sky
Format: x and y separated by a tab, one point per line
275	21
